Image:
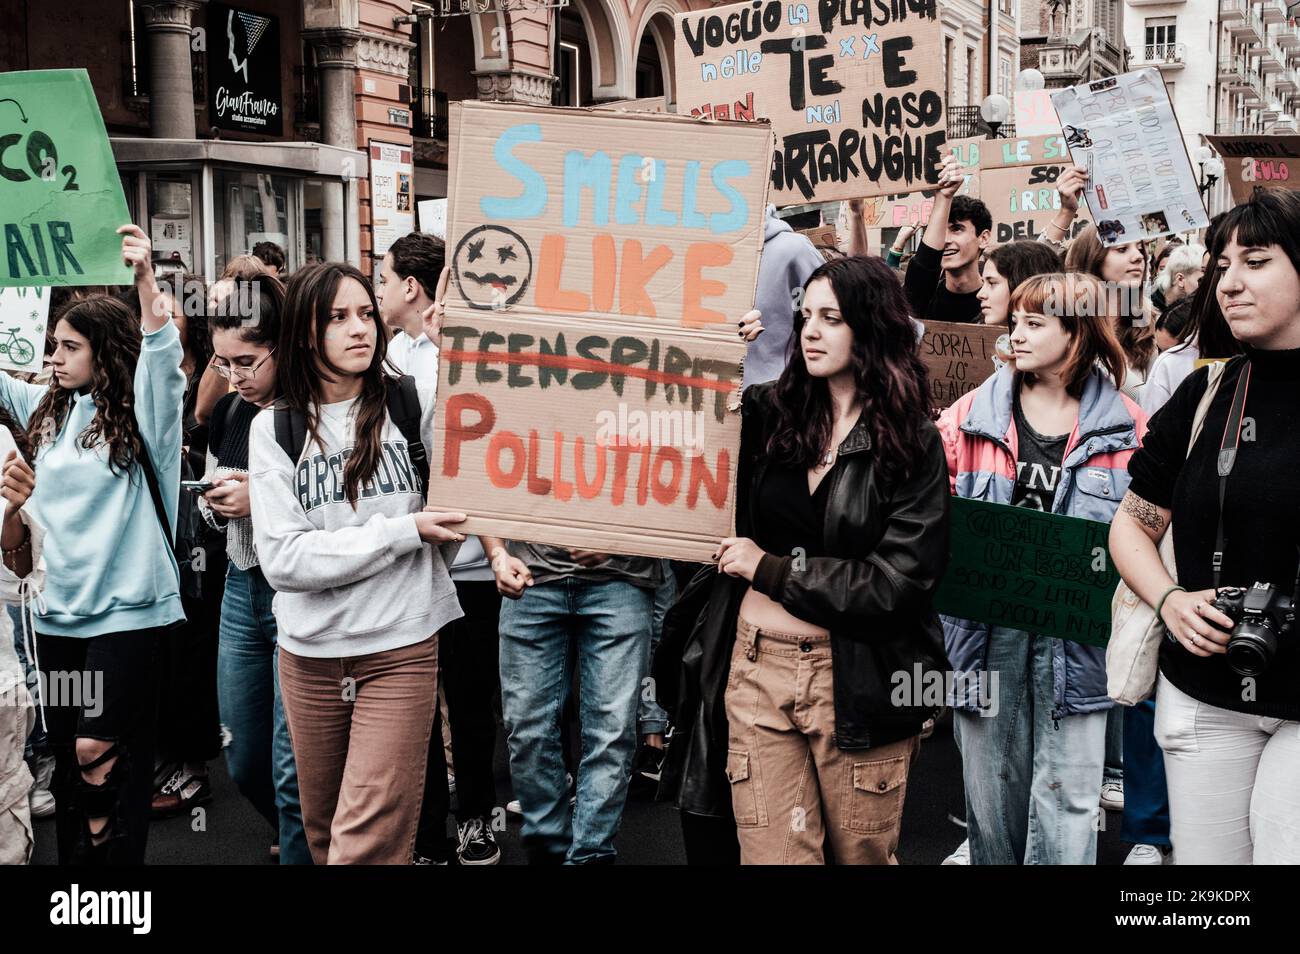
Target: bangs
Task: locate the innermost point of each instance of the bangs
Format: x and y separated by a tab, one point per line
1072	295
1268	218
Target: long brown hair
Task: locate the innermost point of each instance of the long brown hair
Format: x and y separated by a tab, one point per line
1086	254
1078	302
114	335
301	365
887	371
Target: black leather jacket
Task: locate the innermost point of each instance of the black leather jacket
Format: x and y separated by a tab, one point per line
889	547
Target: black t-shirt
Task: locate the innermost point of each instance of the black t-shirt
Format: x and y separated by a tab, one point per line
928	293
1261	516
1038	464
788	515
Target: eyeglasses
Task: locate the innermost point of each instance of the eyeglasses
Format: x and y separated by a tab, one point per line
241	374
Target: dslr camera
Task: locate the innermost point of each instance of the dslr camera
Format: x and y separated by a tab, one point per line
1260	614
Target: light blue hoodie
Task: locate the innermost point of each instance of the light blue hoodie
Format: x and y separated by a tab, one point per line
110	570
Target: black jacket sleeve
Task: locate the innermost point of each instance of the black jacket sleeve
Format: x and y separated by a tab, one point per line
922	279
901	572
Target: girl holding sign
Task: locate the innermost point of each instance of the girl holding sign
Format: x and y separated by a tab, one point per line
342	536
842	507
107	434
1051	433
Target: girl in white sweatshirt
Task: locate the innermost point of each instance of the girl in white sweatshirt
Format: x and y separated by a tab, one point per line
361	587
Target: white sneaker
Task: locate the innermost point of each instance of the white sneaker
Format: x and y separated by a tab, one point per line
959	857
514	808
39	798
1148	855
1112	796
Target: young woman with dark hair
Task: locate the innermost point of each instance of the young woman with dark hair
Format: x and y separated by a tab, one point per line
111	416
842	511
1228	723
245	329
1123	269
1005	267
343	537
1052	433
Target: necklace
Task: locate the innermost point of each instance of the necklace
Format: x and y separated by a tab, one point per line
829	458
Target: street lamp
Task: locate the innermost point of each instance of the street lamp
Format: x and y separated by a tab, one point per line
995	110
1211	167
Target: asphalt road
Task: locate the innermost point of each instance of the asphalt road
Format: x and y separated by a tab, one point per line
233	834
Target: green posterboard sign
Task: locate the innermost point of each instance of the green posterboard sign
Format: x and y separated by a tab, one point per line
1025	569
61	199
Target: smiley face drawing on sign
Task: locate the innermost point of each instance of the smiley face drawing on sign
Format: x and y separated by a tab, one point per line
492	267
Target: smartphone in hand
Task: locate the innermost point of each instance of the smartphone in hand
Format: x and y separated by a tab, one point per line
198	486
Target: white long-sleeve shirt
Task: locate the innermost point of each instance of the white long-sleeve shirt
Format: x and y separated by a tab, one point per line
348	582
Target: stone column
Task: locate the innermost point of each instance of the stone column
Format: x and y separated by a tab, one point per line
336	60
171	81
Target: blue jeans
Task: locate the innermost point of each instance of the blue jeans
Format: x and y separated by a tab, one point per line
608	622
1115	722
1032	782
1146	796
650	716
258	753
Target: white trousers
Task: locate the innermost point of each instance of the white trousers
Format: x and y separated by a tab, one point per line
1234	782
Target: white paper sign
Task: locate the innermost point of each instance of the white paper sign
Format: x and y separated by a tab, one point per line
23	313
433	218
392	194
1141	183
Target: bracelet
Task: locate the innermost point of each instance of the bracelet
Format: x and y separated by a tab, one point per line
1161	605
10	556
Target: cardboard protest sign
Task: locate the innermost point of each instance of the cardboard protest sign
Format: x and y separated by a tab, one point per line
1258	162
913	208
1043	573
1035	115
1017	181
854	90
1141	183
590	366
61	199
958	357
23	314
822	236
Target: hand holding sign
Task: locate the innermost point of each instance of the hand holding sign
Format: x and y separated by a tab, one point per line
1071	185
17	483
429	524
951	176
751	326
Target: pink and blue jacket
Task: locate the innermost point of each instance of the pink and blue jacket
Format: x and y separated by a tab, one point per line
979	436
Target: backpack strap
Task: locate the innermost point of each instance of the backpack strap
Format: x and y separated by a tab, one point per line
151	478
404	410
291	432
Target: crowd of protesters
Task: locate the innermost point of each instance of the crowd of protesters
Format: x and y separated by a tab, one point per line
215	521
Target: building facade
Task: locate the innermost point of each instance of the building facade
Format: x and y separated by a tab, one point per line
1072	41
1230	66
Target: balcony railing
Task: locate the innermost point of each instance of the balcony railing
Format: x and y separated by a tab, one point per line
428	113
1233	9
1164	53
966	121
1273	11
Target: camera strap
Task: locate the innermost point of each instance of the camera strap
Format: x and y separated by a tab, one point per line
1228	457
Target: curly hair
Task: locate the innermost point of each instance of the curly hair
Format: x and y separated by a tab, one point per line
886	368
302	365
114	335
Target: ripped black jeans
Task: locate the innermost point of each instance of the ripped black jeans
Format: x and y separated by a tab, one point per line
105	688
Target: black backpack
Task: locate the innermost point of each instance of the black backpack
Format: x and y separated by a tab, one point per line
403	408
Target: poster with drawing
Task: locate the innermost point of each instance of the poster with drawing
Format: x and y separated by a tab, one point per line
590	369
23	314
1141	184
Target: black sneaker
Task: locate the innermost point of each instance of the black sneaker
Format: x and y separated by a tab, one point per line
477	844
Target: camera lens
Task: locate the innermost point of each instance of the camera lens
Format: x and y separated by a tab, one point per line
1251	648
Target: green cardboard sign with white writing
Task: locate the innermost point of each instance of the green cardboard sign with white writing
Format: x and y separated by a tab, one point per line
1044	573
61	200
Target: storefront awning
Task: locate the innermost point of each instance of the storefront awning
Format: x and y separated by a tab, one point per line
305	157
